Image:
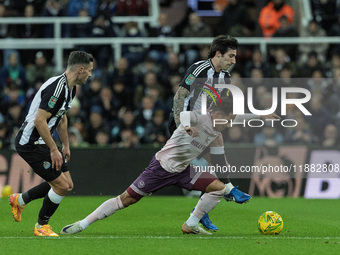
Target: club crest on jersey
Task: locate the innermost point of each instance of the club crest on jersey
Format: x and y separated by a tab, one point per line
141	184
190	79
52	102
46	164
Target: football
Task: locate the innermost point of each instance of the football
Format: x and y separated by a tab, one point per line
6	191
270	223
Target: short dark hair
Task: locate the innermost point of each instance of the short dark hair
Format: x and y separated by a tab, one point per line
222	43
79	58
226	106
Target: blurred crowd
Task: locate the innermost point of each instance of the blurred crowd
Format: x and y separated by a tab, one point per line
126	104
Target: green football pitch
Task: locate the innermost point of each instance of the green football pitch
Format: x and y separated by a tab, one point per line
153	226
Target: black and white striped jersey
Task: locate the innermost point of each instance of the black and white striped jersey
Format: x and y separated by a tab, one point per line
197	76
54	97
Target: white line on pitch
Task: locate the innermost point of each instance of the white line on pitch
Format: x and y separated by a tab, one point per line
178	237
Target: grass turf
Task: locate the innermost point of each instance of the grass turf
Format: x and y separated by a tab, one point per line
153	226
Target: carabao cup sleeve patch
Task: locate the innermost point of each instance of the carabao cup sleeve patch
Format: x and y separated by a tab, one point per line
52	102
190	79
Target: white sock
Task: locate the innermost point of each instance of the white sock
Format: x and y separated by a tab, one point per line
54	197
228	188
84	223
106	209
21	201
208	202
192	221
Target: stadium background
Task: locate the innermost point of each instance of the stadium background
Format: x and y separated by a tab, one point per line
130	48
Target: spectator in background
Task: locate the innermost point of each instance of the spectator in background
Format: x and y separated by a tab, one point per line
300	134
325	12
330	137
159	52
91	96
75	5
28	31
40	70
235	20
332	102
103	138
101	26
14	118
134	53
121	95
145	111
80	30
235	135
270	15
310	65
333	65
31	93
3	27
172	67
312	30
5	141
320	117
269	137
132	8
156	131
287	29
148	65
127	121
12	94
75	138
281	60
52	8
317	84
129	139
150	81
14	71
107	104
123	72
256	78
76	112
108	7
258	62
96	123
334	30
195	28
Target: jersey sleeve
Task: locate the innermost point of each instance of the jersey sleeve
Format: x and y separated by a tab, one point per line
189	78
50	96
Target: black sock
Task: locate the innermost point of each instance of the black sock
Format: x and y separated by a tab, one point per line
46	211
36	192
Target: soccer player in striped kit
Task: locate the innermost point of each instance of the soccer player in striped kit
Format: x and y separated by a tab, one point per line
35	144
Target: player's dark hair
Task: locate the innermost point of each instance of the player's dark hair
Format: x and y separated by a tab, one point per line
222	43
226	106
79	58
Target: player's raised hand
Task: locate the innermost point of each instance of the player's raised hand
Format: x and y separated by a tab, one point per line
192	131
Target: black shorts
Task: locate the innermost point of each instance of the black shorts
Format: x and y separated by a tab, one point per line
39	158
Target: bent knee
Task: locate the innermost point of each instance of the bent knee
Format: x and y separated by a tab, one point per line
70	187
